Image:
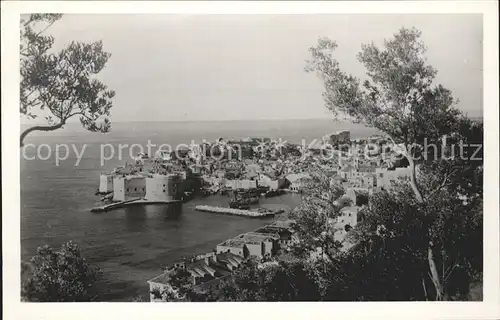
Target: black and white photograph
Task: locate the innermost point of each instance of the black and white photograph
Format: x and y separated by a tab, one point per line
264	157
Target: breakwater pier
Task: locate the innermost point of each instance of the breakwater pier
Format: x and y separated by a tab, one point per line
140	201
254	213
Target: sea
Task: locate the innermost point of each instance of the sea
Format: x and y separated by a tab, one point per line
133	244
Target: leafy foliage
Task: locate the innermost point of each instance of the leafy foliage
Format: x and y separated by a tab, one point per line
61	84
314	215
58	276
397	230
399	98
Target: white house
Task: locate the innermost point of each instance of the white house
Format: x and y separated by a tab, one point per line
267	180
348	216
386	177
297	180
241	184
159	285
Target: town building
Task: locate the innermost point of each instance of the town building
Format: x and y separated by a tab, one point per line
105	183
158	285
250	244
348	216
268	180
260	244
164	188
205	270
386	177
284	234
297	181
146	166
128	187
233	246
220	173
245	184
343	136
363	181
346	171
213	181
357	197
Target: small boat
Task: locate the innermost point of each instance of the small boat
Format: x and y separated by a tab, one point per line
274	193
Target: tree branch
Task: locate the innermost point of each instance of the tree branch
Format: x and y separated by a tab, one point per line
39	128
443	184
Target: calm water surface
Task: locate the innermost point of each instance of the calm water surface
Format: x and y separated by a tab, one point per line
132	244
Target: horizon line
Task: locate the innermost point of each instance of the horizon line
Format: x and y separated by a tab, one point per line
228	120
200	120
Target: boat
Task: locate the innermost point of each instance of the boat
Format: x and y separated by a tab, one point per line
274	193
242	202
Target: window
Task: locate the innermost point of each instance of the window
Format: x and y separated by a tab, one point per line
135	189
127	190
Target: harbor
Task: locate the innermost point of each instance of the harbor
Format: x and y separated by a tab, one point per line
252	213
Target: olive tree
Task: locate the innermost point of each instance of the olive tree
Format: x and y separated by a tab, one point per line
59	85
399	98
62	275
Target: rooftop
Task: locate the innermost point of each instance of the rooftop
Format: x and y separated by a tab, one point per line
229	257
253	238
256	235
237	243
162	278
297	176
283	223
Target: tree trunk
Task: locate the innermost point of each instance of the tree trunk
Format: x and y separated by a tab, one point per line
434	274
425	289
438	286
413	180
38	128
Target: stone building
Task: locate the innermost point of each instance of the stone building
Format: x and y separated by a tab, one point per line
129	187
106	183
164	187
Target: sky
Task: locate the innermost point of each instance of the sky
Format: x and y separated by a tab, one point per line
238	67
